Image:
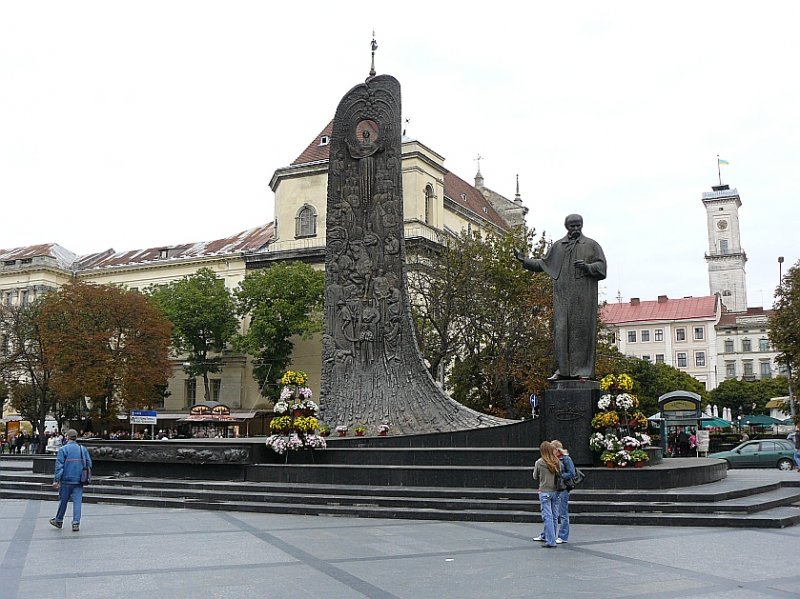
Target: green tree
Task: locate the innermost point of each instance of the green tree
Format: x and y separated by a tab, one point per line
748	397
106	344
475	307
22	363
203	317
784	326
281	301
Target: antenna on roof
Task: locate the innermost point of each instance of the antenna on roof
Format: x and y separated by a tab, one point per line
374	46
619	296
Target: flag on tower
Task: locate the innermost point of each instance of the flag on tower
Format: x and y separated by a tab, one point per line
721	161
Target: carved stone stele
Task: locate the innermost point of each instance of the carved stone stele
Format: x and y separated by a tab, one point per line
372	370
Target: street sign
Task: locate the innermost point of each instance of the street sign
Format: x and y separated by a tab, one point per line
144	417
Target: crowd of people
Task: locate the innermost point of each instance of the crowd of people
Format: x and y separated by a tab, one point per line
24	443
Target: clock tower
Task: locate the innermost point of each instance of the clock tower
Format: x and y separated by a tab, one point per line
725	256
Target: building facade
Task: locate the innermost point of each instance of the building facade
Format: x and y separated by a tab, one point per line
436	202
677	332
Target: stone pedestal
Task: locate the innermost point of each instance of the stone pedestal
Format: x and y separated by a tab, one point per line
566	415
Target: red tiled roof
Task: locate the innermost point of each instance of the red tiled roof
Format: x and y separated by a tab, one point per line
729	318
316	152
668	309
464	194
245	241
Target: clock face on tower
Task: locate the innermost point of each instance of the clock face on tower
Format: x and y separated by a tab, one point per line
722	225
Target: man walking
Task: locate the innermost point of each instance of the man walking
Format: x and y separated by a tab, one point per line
70	462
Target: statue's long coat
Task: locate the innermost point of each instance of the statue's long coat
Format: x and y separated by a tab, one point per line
574	302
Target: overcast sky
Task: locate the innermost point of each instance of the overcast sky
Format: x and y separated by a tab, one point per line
140	124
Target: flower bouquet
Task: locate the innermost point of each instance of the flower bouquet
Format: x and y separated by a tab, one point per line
639	457
341	430
361	430
383	429
609	458
622	458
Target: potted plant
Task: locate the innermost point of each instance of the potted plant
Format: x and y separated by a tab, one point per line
622	458
324	429
608	457
639	457
360	430
341	430
383	429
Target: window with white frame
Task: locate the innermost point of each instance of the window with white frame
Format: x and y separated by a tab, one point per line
766	370
645	336
658	334
646	358
747	368
681	360
659	358
763	344
306	222
699	333
680	334
700	358
729	346
747	345
631	336
730	370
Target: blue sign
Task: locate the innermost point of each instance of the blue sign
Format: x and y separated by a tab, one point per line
534	401
144	417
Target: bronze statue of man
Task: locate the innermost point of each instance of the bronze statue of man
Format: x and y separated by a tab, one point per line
576	263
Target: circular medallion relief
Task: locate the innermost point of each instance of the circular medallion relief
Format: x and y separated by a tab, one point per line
367	132
722	225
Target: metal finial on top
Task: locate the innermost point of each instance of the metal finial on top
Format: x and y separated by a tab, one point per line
374	45
478	159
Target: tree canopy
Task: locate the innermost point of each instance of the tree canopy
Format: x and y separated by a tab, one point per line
484	320
281	301
106	344
748	397
203	314
784	326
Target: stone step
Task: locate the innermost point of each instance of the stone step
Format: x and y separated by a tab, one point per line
772	518
412	456
387	498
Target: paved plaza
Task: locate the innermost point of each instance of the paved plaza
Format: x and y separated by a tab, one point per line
126	551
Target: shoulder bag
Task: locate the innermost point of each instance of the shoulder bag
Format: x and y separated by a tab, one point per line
86	473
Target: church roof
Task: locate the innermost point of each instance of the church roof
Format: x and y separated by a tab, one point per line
316	150
662	309
455	188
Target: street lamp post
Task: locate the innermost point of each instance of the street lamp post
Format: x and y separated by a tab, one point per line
792	410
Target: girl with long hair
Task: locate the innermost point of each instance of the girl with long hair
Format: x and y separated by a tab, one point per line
547	471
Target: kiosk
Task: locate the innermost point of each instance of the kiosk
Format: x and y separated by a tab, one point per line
678	409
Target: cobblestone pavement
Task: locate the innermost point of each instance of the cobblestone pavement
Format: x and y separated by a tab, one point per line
125	551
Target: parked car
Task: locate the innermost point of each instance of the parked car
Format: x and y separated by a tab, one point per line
761	453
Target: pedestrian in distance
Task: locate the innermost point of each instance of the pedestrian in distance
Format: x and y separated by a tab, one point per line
797	446
70	462
567	472
547	471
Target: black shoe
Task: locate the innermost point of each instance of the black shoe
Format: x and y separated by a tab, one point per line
56	523
75	527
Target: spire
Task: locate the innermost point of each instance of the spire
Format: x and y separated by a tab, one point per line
517	197
478	176
374	46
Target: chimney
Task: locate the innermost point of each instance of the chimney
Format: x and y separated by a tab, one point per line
662	299
634	301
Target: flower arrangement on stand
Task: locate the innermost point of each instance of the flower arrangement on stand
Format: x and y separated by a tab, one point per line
341	430
361	430
619	426
383	429
295	425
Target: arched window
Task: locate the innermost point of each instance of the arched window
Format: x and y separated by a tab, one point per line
305	223
429	197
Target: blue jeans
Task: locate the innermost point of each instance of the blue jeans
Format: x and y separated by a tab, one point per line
549	505
562	516
69	491
797	458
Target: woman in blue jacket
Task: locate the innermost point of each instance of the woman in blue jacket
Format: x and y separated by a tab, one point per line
70	462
